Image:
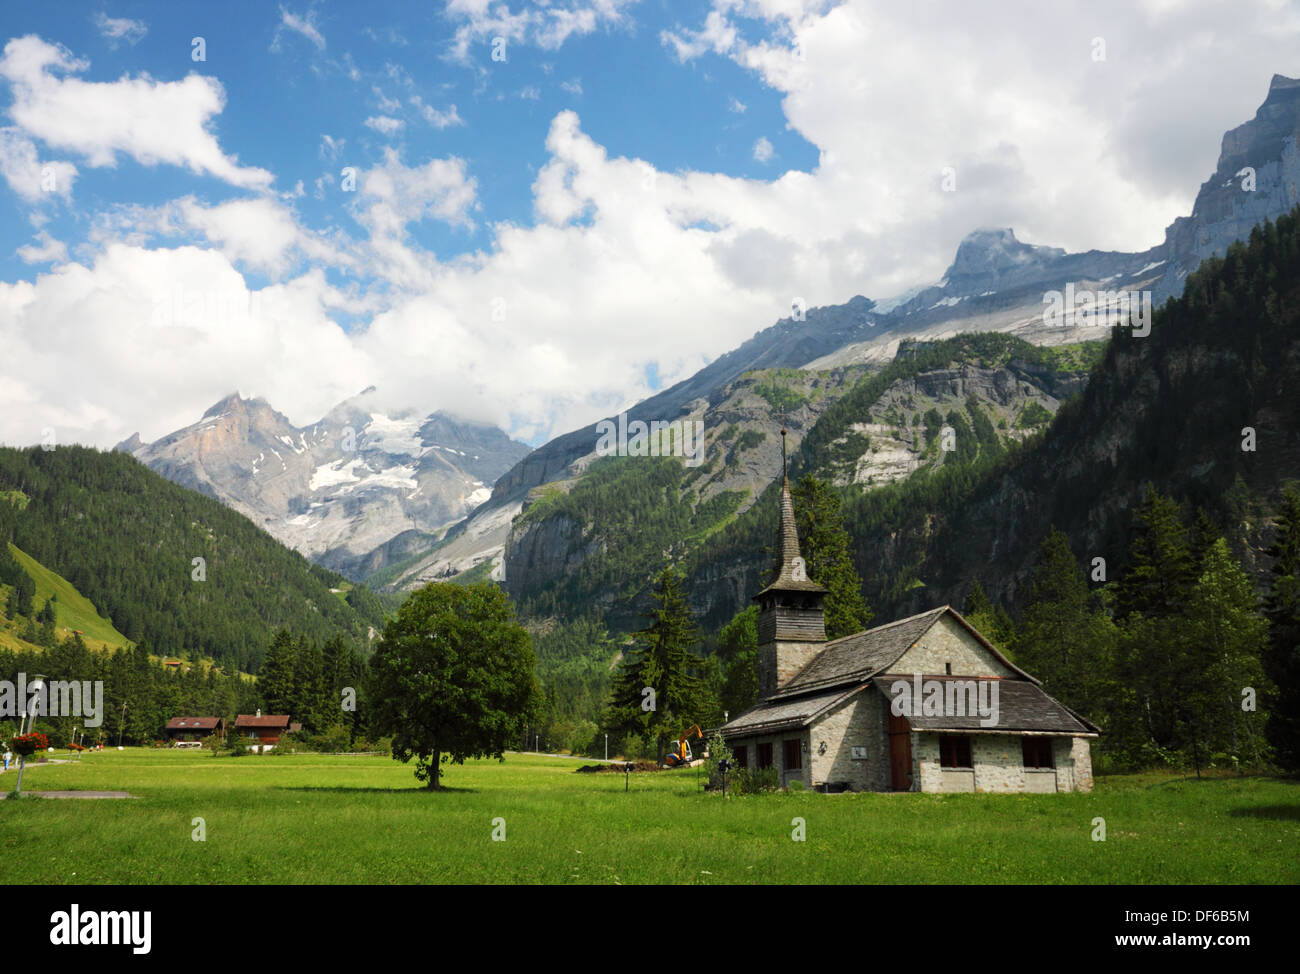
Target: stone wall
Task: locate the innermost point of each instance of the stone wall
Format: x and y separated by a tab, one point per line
779	661
778	753
948	641
999	766
860	721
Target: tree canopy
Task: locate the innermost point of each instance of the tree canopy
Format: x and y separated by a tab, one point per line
453	677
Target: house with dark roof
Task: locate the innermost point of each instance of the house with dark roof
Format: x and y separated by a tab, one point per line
920	704
262	730
194	728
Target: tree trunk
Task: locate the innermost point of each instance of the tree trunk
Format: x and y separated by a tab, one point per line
435	771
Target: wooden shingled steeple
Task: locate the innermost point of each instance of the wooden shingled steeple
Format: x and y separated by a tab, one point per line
790	610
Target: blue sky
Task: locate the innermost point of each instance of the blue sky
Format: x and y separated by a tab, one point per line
540	241
285	94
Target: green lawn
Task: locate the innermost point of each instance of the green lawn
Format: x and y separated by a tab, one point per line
327	819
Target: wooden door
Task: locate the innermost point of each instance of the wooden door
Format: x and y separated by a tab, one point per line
900	753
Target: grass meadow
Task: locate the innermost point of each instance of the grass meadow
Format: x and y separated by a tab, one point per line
355	819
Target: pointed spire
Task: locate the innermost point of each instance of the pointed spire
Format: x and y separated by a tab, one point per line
789	541
791	572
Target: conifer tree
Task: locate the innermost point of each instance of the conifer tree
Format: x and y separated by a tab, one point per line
1226	640
662	663
1282	656
1063	639
824	544
1161	570
277	678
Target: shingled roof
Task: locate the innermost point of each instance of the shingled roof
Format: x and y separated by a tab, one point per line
259	720
1022	706
774	715
853	659
789	556
193	723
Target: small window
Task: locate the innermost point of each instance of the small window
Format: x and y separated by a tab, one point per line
954	751
765	755
1037	752
947	669
793	755
740	755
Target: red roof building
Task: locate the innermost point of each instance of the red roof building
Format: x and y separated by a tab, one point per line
263	729
194	728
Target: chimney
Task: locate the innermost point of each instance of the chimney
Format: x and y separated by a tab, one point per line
259	711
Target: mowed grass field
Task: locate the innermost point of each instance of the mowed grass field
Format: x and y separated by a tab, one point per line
346	819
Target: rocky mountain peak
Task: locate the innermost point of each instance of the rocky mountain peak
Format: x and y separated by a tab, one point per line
988	255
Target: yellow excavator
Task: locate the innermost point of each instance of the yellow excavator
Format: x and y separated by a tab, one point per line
680	755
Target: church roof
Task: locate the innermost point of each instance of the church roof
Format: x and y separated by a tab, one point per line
791	575
853	659
775	714
1022	706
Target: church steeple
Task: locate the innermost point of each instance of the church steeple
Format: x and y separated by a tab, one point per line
791	620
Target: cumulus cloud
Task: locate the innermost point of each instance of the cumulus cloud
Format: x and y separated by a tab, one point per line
27	176
763	150
151	121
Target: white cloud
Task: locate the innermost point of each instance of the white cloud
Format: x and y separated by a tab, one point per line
546	26
306	26
151	121
45	251
625	265
573	87
736	105
26	175
439	120
763	150
116	29
330	147
384	124
530	93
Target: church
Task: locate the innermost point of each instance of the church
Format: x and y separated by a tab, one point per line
921	704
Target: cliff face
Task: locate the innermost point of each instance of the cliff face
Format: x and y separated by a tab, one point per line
1228	206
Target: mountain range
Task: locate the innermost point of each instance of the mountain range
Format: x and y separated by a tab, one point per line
429	497
349	491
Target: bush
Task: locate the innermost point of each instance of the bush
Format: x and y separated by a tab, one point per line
717	751
633	747
750	781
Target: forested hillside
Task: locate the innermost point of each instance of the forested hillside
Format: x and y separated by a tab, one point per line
1206	408
128	540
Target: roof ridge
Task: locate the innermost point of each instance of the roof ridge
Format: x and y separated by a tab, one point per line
888	625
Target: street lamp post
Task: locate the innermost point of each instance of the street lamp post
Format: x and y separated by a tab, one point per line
120	724
34	689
